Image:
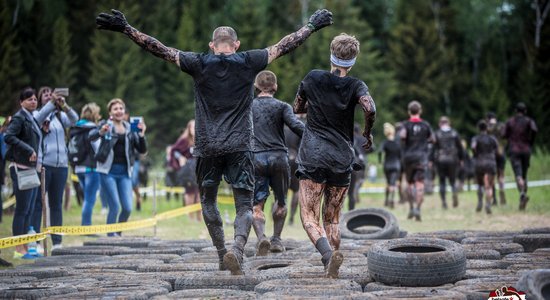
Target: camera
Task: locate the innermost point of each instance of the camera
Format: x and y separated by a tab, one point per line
61	92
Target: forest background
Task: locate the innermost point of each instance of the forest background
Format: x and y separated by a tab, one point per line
458	58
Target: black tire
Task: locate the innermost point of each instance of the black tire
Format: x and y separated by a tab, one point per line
119	264
531	242
536	230
486	264
317	294
66	260
357	274
488	273
487	240
482	254
377	286
16	280
209	294
34	291
133	293
91	250
127	283
36	272
224	280
418	294
479	290
160	250
542	252
417	262
482	233
378	217
181	267
535	284
320	284
166	258
269	264
497	280
451	235
528	267
131	242
502	248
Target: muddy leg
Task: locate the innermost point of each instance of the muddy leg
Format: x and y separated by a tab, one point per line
334	198
213	220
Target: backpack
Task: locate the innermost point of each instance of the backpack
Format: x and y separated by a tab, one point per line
78	147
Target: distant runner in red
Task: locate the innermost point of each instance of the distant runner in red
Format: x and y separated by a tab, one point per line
415	135
326	152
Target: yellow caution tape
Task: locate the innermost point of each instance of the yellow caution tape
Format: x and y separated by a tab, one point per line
8	203
22	239
80	230
178	212
94	229
74	177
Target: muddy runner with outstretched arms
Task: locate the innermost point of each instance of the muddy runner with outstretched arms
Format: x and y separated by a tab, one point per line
223	96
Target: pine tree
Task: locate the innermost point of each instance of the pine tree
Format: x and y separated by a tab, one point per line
63	62
12	75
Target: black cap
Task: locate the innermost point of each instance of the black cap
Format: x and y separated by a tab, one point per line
521	107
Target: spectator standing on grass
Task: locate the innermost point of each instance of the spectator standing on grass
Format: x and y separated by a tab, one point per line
271	167
326	152
223	96
23	138
496	129
415	135
85	169
485	149
184	164
115	159
54	117
391	150
520	131
448	155
135	170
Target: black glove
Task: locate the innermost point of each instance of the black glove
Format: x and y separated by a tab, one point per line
321	18
114	22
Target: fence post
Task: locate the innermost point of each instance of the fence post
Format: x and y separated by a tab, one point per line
44	206
155	205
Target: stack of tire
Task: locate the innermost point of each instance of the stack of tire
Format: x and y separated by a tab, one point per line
438	265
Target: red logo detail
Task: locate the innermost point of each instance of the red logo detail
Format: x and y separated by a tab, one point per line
506	293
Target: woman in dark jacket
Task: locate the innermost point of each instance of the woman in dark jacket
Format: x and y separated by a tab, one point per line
23	139
115	159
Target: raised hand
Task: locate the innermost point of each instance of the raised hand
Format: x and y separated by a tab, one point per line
114	22
321	18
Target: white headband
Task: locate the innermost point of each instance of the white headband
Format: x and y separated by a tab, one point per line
342	62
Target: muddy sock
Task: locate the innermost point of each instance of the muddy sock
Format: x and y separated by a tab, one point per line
324	248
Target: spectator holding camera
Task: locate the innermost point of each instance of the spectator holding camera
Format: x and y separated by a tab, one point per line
54	117
115	160
23	139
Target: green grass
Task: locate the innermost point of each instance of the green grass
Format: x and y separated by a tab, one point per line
434	217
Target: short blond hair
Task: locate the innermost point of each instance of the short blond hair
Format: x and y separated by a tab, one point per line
266	81
344	46
90	112
389	130
115	101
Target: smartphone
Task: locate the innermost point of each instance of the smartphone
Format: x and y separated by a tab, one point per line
62	92
134	121
2	120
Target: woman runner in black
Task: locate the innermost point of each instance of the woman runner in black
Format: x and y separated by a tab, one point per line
392	163
223	98
326	153
485	148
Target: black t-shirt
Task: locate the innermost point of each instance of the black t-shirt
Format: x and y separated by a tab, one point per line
119	150
392	155
485	147
270	115
520	131
292	141
447	147
223	97
415	145
328	139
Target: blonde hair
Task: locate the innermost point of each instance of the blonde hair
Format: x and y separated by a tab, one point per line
115	101
344	46
389	130
188	133
90	112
